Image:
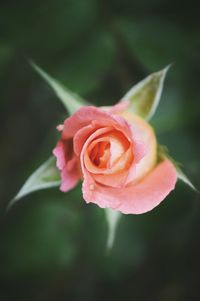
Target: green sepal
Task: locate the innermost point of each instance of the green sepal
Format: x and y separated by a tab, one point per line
144	97
163	154
46	176
71	101
112	218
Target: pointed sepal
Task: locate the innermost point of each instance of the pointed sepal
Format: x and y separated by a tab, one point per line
112	218
144	97
71	101
163	154
46	176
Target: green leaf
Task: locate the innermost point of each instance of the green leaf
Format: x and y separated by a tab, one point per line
46	176
112	218
145	96
71	101
163	154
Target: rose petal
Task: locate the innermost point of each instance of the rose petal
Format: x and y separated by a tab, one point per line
59	153
92	115
143	132
81	136
83	117
114	180
88	119
118	108
68	164
137	198
119	166
88	133
91	194
69	178
118	146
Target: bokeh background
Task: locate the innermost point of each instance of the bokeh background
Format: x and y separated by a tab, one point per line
52	245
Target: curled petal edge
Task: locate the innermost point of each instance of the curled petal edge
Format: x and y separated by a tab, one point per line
134	199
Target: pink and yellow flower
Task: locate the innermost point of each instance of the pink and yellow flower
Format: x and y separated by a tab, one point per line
114	152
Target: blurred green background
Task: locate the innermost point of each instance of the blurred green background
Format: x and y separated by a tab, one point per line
52	245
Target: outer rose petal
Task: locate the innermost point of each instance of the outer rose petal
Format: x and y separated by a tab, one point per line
69	179
147	136
137	198
60	155
92	115
70	174
118	108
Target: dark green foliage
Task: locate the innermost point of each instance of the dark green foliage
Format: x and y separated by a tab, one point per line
53	245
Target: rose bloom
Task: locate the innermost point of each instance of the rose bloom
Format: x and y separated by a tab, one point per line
114	152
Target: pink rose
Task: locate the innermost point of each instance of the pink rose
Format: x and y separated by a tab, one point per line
114	152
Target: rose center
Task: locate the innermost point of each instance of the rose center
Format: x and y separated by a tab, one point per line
108	152
100	154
